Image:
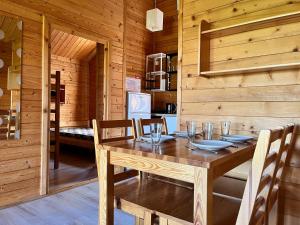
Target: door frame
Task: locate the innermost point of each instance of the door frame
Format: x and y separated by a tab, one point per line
47	26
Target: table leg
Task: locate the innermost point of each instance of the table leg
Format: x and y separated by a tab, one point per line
106	190
203	196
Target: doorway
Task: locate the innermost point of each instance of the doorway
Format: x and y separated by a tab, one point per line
77	77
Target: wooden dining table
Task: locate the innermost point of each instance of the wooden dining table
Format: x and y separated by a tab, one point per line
174	160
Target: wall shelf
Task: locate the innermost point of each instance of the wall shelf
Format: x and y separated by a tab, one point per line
250	70
206	34
253	25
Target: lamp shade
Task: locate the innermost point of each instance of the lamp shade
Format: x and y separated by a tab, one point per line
155	20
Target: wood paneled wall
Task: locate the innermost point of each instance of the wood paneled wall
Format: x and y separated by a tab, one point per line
92	88
96	92
166	41
20	160
254	101
75	77
138	41
100	19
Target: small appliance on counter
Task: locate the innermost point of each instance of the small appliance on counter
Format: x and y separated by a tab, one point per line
171	108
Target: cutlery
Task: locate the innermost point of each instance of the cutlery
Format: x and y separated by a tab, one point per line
190	148
194	148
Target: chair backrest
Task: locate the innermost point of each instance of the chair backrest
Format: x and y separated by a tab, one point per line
147	122
288	141
261	175
99	126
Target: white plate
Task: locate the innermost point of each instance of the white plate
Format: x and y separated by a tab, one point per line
212	145
163	138
237	138
181	133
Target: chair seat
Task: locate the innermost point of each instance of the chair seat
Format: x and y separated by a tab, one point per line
241	171
230	186
171	200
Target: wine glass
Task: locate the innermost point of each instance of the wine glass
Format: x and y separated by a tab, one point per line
191	130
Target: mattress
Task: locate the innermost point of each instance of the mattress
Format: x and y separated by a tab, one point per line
77	132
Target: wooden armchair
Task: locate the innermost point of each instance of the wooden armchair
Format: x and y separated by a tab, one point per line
147	122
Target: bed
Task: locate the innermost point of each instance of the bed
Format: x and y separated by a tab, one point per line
77	136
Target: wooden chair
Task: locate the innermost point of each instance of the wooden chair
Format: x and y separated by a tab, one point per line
147	122
251	210
234	186
99	138
288	142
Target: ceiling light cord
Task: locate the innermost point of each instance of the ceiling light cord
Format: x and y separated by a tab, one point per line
155	4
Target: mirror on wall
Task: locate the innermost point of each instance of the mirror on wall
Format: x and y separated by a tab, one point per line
10	77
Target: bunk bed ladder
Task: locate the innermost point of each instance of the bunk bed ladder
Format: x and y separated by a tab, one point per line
54	124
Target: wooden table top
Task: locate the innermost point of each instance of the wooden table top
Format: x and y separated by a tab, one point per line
176	151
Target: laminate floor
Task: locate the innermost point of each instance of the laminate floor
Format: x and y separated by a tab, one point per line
76	165
78	206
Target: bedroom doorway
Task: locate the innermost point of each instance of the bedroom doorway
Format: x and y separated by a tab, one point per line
77	68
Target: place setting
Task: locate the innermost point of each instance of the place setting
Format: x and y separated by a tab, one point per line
208	142
156	135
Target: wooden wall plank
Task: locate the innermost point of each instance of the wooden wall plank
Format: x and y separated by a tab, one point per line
20	159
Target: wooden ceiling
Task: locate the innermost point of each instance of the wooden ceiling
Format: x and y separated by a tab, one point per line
71	46
9	26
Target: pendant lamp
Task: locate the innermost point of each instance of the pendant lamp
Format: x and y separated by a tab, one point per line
155	19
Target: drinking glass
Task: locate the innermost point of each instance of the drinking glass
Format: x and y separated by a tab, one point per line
191	130
225	127
207	128
155	133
